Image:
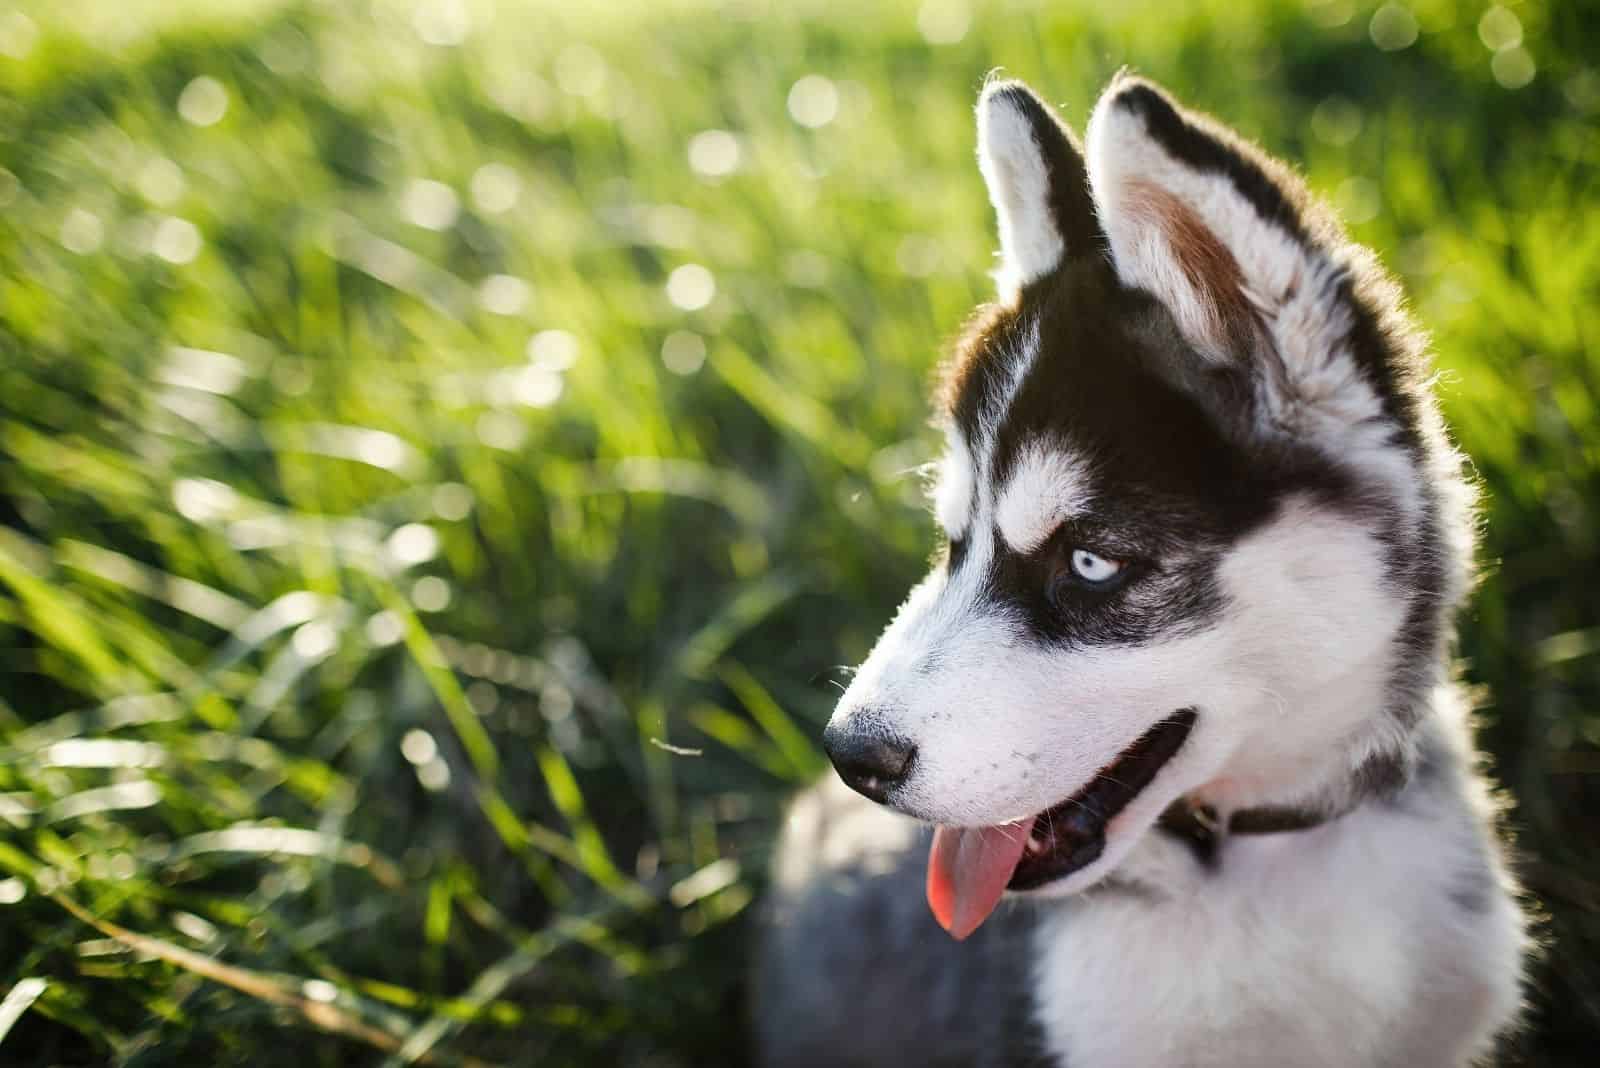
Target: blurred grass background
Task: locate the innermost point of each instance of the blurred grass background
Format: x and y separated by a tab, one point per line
444	450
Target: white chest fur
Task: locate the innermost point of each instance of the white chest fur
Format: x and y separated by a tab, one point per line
1360	942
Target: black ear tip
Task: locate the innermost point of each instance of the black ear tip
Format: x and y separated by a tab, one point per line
1008	92
1010	95
1141	96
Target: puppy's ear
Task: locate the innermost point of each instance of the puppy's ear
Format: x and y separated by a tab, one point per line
1251	267
1037	182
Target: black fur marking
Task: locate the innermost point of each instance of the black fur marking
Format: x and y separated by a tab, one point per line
1383	775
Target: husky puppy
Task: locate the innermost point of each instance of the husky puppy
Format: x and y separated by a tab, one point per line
1166	741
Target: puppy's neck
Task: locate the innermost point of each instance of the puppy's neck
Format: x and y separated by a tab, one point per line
1323	776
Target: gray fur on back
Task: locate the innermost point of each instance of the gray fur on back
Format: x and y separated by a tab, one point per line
853	970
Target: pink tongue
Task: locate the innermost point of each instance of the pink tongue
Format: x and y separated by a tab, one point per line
968	869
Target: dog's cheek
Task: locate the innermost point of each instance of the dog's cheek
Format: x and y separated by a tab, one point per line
978	743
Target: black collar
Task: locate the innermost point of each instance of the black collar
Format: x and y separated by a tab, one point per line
1202	829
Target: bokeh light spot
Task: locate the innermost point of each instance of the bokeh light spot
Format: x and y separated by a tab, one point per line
1499	28
1336	121
501	430
191	926
314	640
160	181
452	501
434	775
431	205
1513	68
1330	13
319	990
495	188
503	294
412	544
554	350
176	240
1393	27
536	386
813	101
714	153
691	287
203	102
384	629
683	352
82	232
287	52
418	746
431	594
379	448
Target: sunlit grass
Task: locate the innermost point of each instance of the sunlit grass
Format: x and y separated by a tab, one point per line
444	452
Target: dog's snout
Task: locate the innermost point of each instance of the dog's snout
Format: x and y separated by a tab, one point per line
869	759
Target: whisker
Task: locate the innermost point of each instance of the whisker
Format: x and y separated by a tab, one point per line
1112	779
823	676
1092	811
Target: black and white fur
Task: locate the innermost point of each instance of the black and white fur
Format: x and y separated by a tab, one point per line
1189	367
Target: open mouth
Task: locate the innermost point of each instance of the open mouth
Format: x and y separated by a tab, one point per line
970	867
1073	834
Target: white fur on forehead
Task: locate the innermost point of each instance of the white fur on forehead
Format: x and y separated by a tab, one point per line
1046	487
1018	176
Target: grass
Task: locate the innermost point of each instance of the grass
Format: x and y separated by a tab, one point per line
436	476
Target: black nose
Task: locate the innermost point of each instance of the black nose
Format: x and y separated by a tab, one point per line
868	760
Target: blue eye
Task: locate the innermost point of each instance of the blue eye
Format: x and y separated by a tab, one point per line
1092	569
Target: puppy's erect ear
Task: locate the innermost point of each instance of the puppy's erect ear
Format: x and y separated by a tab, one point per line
1036	178
1247	263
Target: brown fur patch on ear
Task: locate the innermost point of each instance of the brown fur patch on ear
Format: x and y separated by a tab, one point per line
972	348
1212	272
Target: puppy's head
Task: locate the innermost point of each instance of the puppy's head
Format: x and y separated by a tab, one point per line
1203	530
